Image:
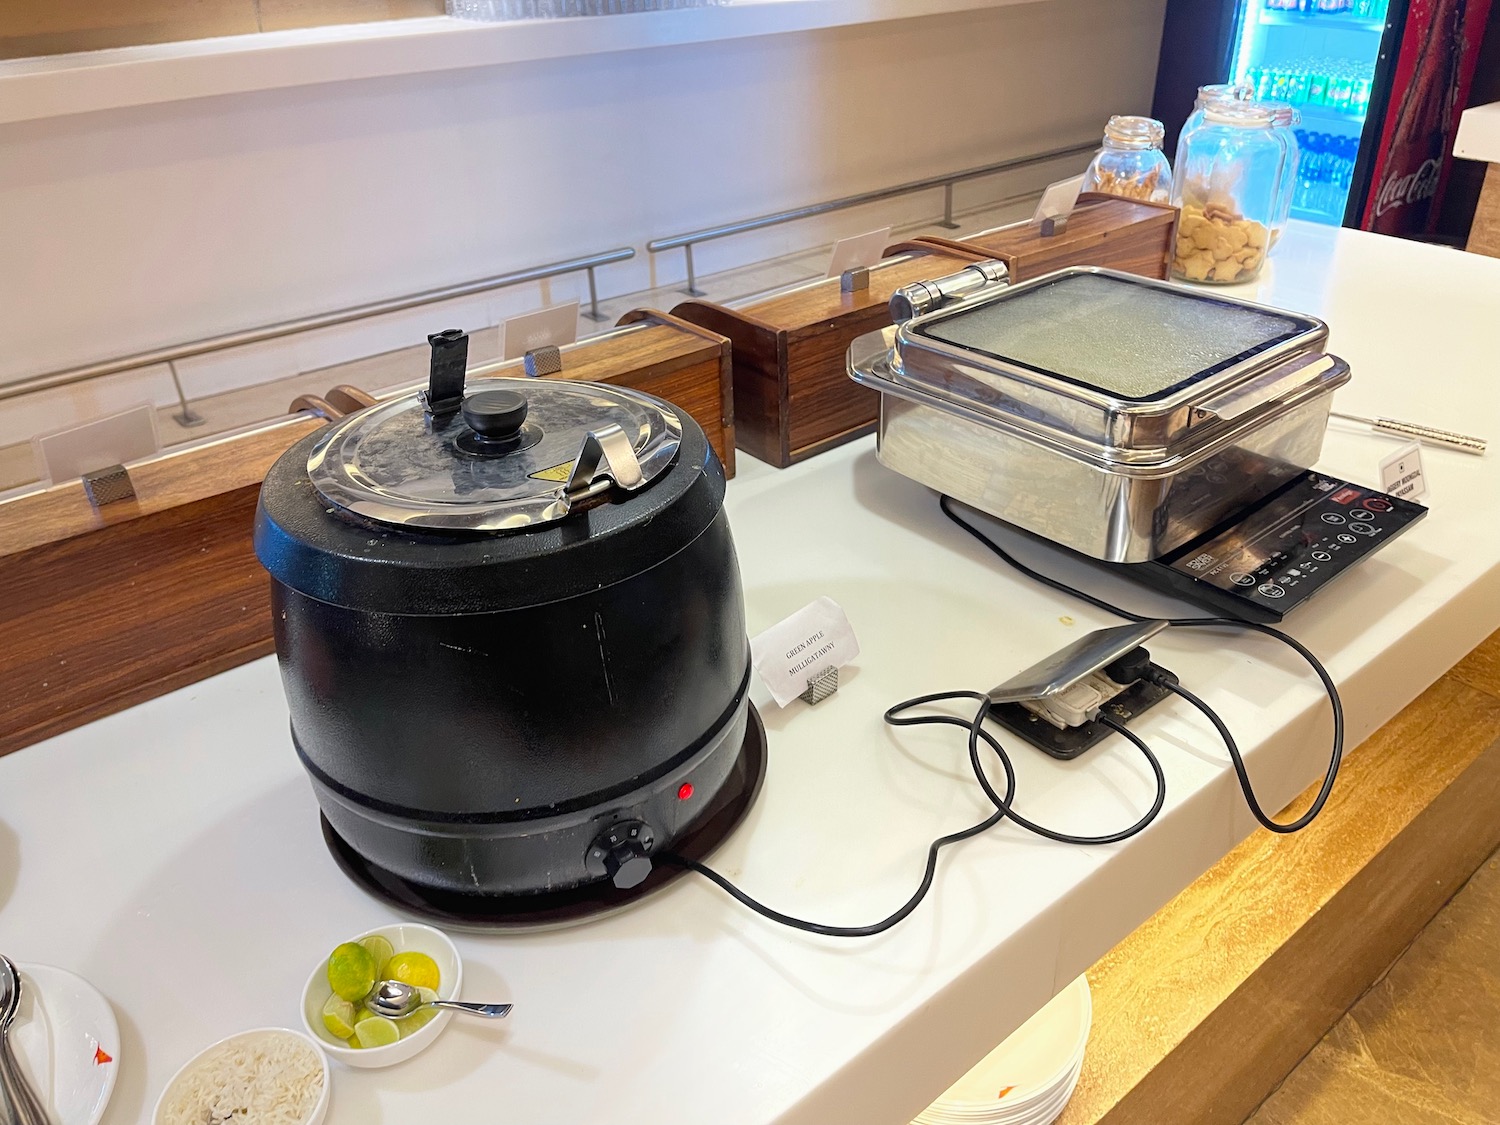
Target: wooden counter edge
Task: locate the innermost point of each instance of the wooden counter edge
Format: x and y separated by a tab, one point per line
1201	1012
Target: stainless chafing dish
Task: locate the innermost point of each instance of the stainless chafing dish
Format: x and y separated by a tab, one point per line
1114	414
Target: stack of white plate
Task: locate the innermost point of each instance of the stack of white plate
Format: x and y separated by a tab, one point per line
1030	1077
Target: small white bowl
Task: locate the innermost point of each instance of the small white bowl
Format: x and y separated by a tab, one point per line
319	1111
405	937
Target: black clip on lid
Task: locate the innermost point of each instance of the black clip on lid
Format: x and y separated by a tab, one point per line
445	379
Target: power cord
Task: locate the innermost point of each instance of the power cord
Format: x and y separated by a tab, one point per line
1004	808
1336	704
897	717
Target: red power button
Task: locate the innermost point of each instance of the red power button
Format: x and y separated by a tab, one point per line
1377	504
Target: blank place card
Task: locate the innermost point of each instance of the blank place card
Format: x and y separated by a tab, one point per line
553	326
858	250
115	439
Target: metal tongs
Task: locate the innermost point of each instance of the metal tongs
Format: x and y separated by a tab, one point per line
1428	435
20	1105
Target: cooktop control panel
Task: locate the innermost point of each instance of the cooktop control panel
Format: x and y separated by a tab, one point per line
1270	559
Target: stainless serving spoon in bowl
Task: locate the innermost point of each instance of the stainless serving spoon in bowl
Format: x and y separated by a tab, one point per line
395	1000
21	1105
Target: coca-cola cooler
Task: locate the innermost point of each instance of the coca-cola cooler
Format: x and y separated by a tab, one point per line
1378	84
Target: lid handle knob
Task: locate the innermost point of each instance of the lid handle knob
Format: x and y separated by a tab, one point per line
607	455
495	417
445	376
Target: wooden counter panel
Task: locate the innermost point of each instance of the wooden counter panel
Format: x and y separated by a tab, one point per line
1201	1011
143	607
175	477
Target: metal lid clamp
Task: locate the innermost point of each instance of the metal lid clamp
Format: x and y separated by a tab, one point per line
606	458
924	296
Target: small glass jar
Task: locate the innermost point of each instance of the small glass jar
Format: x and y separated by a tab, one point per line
1226	183
1284	121
1131	164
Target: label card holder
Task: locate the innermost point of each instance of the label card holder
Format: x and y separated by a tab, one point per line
858	250
115	439
1058	199
1401	473
803	649
553	326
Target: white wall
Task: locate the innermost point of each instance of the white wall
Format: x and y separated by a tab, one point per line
130	228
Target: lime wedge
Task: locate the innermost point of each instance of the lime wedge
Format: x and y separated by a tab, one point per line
416	1021
421	1017
415	969
376	1031
381	950
338	1017
351	971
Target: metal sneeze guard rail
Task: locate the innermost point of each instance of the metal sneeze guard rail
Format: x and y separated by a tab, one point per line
946	182
171	354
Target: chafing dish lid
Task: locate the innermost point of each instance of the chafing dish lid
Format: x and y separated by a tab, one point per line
1128	339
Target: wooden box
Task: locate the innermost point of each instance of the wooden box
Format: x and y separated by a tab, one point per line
793	397
105	608
1103	230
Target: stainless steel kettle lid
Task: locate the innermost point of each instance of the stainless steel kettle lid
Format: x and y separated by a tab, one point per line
498	455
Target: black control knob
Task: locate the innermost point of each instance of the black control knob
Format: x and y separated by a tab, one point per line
622	854
627	865
496	417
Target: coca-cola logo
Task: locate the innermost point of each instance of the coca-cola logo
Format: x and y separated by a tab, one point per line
1398	191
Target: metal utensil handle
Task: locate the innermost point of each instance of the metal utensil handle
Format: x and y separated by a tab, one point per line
1431	434
488	1011
25	1107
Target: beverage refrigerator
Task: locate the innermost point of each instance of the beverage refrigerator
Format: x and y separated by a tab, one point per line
1378	84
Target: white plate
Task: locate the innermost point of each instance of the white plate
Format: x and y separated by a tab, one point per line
63	1034
1034	1070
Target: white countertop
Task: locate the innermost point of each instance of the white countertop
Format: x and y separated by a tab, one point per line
1478	135
171	853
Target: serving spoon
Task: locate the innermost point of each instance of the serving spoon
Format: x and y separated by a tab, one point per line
21	1105
395	1001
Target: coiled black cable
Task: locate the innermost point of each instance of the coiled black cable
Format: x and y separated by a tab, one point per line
1336	705
1004	808
897	717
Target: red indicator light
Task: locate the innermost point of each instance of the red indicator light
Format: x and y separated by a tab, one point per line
685	790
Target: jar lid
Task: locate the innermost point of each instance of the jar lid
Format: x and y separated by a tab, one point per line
519	452
1224	92
1244	115
1136	132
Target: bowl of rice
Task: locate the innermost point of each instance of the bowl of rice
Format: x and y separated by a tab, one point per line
269	1076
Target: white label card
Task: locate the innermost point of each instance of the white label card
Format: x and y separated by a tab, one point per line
1058	200
115	439
812	640
858	250
553	326
1401	473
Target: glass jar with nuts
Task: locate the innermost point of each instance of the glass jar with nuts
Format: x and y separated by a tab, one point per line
1229	170
1131	163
